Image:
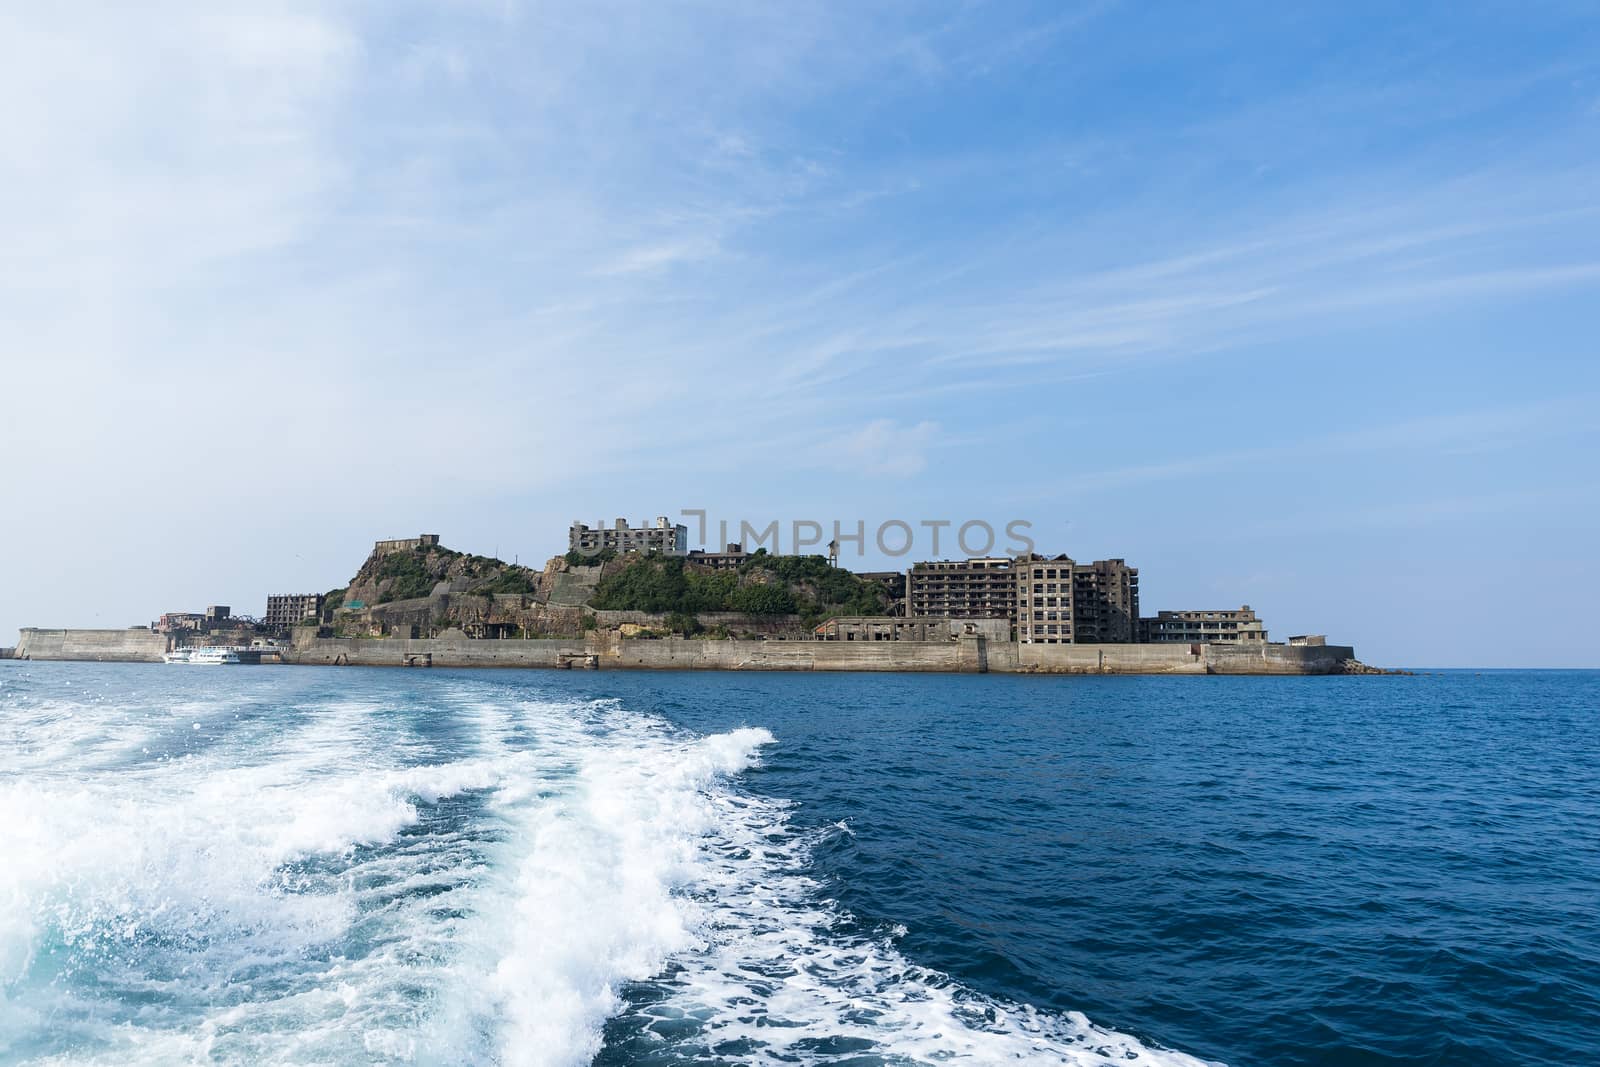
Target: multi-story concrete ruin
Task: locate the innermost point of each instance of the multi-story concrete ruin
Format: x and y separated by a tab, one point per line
1105	602
1203	627
1044	600
662	537
1050	600
983	588
287	609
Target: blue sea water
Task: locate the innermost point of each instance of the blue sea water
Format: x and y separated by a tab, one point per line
301	865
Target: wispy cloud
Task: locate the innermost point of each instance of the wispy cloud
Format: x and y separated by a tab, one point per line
655	257
1478	431
886	448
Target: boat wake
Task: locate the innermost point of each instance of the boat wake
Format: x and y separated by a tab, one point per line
471	877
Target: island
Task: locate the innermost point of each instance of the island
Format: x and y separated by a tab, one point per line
634	597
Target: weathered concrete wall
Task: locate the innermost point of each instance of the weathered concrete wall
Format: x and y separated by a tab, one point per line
1109	659
1276	659
121	646
446	652
613	653
1181	659
681	654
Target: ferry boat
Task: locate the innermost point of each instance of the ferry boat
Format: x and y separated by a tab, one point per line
211	655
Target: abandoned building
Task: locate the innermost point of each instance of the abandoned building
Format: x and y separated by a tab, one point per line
662	537
1203	627
1050	600
286	609
405	544
982	588
1105	602
178	621
1044	600
730	559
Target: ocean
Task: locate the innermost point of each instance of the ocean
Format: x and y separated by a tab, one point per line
303	865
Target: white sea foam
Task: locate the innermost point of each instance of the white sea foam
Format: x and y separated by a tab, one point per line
593	902
782	977
186	879
339	892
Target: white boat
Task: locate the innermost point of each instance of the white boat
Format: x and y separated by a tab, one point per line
215	656
177	655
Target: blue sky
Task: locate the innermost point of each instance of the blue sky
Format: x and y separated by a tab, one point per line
1289	308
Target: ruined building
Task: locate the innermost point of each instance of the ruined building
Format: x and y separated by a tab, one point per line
1050	600
662	537
1204	627
983	588
287	609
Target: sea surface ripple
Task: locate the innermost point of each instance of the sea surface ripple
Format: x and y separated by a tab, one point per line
303	865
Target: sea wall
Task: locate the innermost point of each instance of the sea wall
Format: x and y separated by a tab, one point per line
608	652
1110	659
681	654
442	652
1276	659
1181	659
117	646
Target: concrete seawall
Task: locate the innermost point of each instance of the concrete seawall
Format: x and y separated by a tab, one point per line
662	654
115	646
608	652
968	656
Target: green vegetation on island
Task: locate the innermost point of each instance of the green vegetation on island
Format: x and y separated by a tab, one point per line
764	585
413	573
417	588
407	574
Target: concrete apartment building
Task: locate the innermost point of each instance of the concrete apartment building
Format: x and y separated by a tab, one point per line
1105	602
662	537
286	609
1045	600
983	588
1203	627
1050	600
